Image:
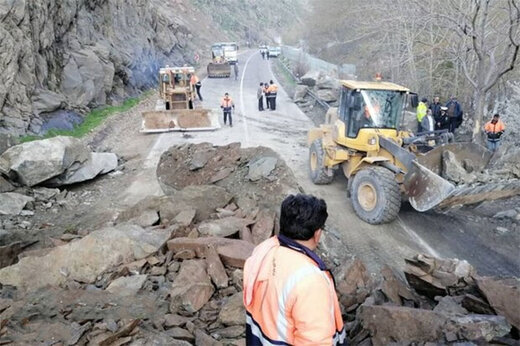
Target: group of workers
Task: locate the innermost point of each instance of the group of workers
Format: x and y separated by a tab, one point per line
270	91
434	116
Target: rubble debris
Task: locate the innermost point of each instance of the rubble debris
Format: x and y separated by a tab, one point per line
261	168
233	311
503	295
98	163
432	276
127	285
264	226
84	259
5	186
300	92
192	288
12	203
223	227
454	171
310	78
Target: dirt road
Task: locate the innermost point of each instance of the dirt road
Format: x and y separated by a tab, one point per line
458	235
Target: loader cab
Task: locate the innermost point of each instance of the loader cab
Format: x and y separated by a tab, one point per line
217	52
371	105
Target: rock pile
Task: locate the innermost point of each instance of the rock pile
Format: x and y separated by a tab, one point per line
168	272
442	301
324	87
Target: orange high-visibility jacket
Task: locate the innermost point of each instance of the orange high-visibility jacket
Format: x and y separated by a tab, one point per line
194	79
290	297
273	88
226	102
494	128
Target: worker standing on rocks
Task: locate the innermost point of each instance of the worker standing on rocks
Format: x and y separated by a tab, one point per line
494	130
273	91
289	294
227	104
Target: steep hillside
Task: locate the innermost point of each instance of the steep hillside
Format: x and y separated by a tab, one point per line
79	54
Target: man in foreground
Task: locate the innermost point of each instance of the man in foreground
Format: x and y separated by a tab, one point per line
289	294
227	105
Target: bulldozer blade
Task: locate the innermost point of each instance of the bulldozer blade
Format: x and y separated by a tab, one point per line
424	188
464	195
474	153
219	70
179	120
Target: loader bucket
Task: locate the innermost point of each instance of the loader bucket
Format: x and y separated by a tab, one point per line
219	70
179	120
474	153
425	189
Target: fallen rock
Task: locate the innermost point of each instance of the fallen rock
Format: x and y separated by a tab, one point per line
393	288
5	186
450	306
199	159
203	339
310	78
98	163
261	168
432	276
127	285
223	227
192	287
173	320
327	82
506	214
388	324
264	226
9	253
148	218
353	283
300	92
43	194
12	203
233	311
232	252
328	95
83	260
477	327
453	169
503	295
35	162
185	217
216	269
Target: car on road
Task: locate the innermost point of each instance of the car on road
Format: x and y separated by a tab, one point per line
274	52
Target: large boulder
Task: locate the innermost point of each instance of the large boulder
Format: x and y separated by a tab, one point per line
300	92
328	95
453	170
98	163
35	162
327	82
192	287
503	295
310	78
12	203
83	260
6	141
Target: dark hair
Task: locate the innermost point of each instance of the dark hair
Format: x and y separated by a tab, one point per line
424	99
271	81
261	83
301	216
496	115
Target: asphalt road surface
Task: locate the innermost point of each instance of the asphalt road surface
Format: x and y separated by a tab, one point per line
285	130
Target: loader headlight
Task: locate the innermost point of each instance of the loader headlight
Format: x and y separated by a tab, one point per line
372	141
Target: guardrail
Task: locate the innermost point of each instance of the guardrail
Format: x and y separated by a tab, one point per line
298	80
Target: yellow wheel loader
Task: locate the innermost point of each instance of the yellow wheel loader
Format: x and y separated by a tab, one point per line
219	67
175	109
385	164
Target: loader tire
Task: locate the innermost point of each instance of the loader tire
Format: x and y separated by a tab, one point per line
318	172
375	195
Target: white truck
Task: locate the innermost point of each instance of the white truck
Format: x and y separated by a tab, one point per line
230	52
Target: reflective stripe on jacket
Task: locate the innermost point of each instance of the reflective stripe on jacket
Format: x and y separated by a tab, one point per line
289	299
273	89
226	103
421	111
494	128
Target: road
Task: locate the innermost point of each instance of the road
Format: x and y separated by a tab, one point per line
284	130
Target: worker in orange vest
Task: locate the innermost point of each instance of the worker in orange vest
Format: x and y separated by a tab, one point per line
494	130
289	294
195	83
273	90
227	104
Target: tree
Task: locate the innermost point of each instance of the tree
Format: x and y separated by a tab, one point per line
486	43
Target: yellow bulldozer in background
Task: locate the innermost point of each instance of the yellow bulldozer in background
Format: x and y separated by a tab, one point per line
219	67
175	110
384	163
